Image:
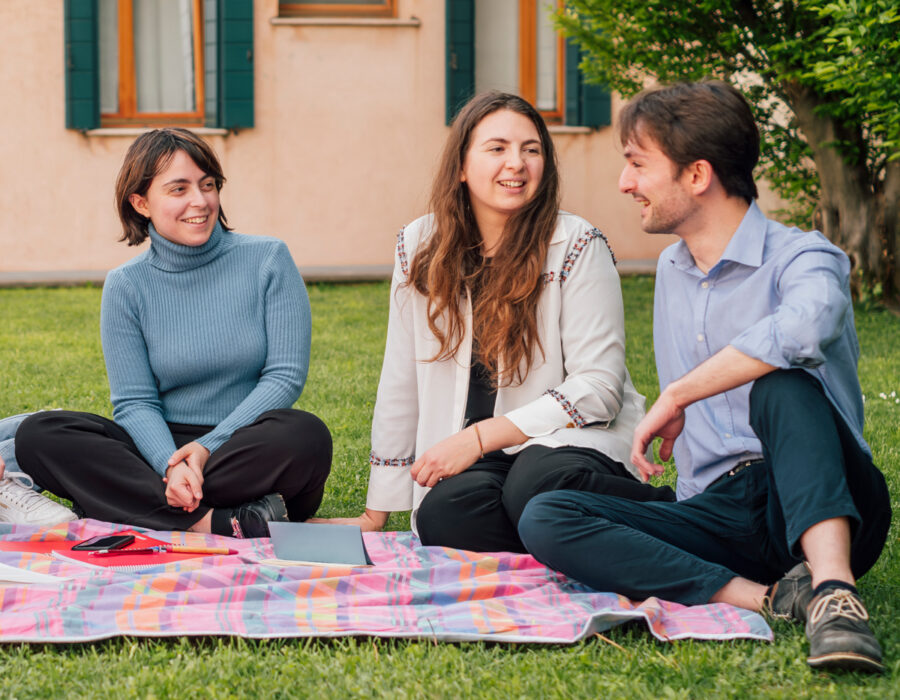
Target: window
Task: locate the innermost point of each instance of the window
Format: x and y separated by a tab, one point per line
513	45
159	62
517	49
151	62
354	8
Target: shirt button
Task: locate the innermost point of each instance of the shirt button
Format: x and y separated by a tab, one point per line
727	436
705	285
699	337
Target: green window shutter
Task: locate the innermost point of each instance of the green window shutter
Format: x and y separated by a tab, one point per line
596	105
587	104
82	64
210	63
573	83
460	47
228	56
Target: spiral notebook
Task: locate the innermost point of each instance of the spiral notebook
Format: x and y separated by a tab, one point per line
125	562
13	576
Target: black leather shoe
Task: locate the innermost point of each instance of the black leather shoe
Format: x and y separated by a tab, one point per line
839	634
791	595
252	519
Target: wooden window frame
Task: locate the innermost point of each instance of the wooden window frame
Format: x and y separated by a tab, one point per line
128	114
385	9
528	60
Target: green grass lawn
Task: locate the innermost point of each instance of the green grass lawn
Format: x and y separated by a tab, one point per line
50	357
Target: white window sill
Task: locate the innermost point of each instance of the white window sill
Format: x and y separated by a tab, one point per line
138	130
343	22
560	129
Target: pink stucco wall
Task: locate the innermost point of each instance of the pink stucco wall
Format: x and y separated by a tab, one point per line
349	123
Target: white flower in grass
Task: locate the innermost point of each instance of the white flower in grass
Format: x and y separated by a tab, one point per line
882	395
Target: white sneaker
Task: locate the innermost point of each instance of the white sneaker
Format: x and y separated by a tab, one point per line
22	506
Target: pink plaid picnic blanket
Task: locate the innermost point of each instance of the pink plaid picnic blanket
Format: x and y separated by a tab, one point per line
412	592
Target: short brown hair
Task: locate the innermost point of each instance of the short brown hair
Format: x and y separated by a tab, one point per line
146	158
709	121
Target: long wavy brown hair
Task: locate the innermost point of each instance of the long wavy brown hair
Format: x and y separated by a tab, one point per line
449	263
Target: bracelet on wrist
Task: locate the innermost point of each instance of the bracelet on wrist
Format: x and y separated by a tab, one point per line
478	437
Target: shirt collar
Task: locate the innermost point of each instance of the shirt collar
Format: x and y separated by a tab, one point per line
559	235
745	247
747	244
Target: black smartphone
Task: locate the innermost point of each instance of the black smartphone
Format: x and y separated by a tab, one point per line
105	542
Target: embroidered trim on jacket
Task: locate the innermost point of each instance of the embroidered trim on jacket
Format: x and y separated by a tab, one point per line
376	461
401	253
580	245
567	406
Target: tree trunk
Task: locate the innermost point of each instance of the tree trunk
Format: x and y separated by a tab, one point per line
857	214
891	226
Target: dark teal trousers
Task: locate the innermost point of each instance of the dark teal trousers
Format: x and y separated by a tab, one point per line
745	525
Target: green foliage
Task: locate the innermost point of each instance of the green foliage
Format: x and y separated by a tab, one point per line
846	53
859	67
50	356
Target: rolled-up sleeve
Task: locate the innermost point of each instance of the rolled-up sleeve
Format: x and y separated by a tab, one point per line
810	314
592	333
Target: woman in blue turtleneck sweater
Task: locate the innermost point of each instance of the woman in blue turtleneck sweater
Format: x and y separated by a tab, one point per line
206	338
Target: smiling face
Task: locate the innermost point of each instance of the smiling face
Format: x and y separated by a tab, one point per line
182	202
653	181
503	166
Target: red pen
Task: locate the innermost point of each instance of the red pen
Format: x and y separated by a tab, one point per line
173	548
117	552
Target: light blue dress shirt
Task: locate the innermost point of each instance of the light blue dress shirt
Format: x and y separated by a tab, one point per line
778	294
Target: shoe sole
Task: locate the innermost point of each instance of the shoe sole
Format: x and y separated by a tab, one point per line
39	523
847	661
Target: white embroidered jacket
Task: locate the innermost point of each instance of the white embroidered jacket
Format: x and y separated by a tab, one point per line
580	394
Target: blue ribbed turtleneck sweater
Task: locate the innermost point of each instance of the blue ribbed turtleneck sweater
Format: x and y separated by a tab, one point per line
209	335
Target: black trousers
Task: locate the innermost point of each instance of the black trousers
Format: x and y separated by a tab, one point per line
479	509
93	462
747	525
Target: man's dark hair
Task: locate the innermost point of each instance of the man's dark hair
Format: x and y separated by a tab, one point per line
708	121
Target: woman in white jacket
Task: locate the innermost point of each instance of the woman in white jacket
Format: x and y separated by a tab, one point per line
504	371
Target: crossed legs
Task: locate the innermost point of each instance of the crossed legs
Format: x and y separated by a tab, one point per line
817	497
93	462
804	501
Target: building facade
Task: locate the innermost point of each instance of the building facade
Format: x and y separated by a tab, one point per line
328	117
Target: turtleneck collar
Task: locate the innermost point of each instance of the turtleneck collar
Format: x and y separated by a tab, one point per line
174	257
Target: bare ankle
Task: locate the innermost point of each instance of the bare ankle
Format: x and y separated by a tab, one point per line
204	524
742	593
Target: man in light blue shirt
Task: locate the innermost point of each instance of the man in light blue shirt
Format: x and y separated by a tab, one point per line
780	507
738	303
